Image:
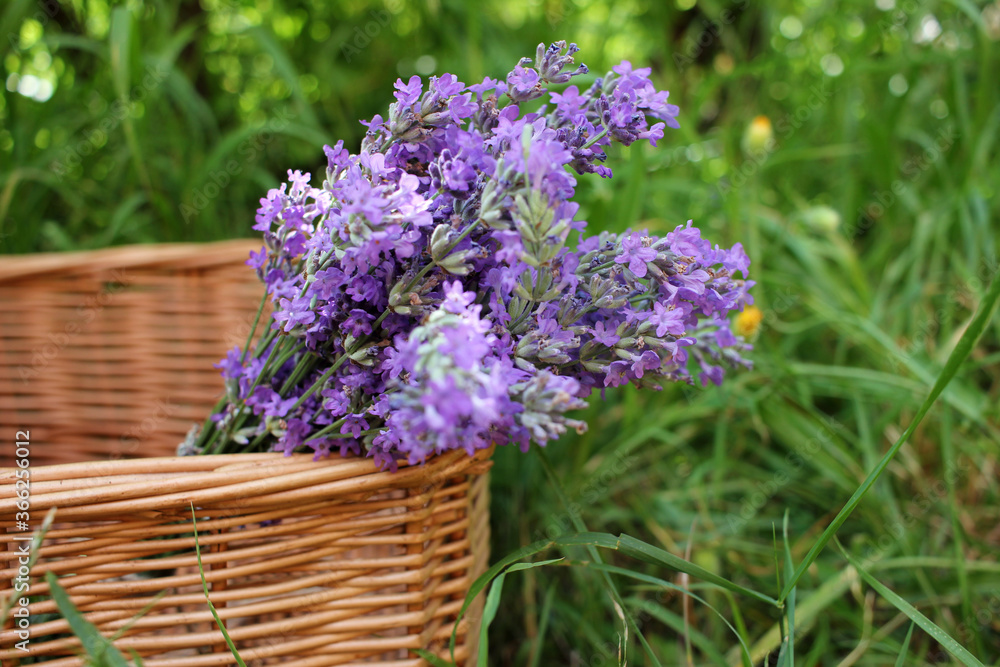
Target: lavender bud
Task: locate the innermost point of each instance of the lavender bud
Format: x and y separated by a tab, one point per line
517	307
552	62
455	263
612	300
415	135
440	238
362	356
596	366
188	447
570	311
487	117
437	119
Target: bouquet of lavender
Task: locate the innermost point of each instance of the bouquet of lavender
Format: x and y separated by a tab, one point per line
424	296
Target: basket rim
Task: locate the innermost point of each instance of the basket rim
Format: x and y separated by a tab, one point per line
170	255
217	478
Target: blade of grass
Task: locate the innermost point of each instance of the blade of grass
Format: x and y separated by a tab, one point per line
120	38
94	643
123	213
790	606
949	459
595	556
12	18
965	345
623	544
740	624
961	398
926	624
142	612
284	65
433	659
656	556
33	553
493	605
807	612
972	12
934	562
204	588
646	578
782	660
901	658
486	577
676	623
543	626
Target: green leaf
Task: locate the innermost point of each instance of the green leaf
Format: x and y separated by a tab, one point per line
646	552
94	644
926	624
965	345
433	659
493	604
616	596
142	612
901	659
638	576
289	74
204	588
543	626
34	551
120	38
972	12
122	215
489	613
788	646
807	612
486	577
623	543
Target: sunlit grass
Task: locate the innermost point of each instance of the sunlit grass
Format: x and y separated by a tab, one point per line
870	214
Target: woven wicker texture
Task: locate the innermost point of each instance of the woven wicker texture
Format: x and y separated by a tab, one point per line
310	563
106	358
116	346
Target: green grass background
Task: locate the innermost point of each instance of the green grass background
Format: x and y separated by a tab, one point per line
871	221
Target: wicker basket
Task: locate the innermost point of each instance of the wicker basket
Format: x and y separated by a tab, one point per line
110	353
309	563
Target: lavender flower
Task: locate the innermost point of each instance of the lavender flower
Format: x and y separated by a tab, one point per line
635	254
426	296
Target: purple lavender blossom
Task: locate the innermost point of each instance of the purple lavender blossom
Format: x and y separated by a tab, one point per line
571	105
635	254
605	335
294	312
408	93
524	84
667	321
232	366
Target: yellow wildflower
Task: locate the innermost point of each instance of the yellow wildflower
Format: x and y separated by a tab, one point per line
748	321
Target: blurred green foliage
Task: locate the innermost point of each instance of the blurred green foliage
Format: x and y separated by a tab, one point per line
164	121
852	148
